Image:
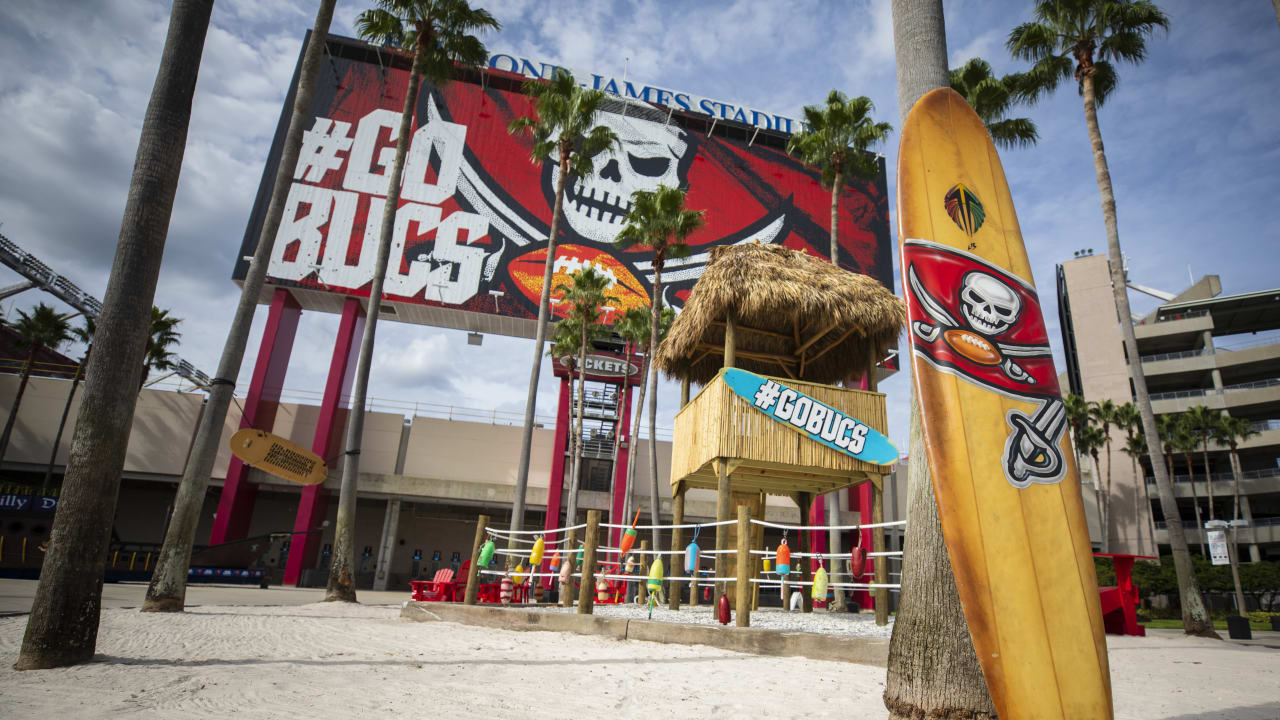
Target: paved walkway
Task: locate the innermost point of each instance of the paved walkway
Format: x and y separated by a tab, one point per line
16	595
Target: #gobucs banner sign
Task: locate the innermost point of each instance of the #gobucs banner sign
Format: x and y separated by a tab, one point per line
472	223
812	418
972	320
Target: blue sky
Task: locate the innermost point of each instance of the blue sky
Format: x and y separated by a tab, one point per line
1191	135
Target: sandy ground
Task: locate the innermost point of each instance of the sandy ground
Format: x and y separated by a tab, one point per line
339	661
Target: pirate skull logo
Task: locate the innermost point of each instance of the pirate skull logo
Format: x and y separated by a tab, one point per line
990	306
651	154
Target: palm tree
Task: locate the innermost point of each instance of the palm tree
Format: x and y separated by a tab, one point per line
83	335
168	587
585	298
566	131
1083	39
161	335
633	326
836	139
1077	409
439	35
1203	421
992	98
1232	431
63	626
1184	441
43	328
658	221
930	623
1103	412
1135	446
1088	440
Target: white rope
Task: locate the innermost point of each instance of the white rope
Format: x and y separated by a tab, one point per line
893	523
766	581
552	531
669	527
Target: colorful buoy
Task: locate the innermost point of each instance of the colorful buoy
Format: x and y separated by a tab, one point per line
857	563
539	547
722	609
506	589
486	553
768	564
518	573
655	575
782	561
602	590
691	558
566	571
555	562
820	584
629	537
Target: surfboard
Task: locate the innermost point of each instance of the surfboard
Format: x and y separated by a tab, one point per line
278	456
811	417
1007	487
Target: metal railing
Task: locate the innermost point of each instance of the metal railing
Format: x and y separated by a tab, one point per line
1264	425
1180	316
1176	355
1238	387
1219	477
1191	524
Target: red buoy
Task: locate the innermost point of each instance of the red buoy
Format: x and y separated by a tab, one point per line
722	609
857	562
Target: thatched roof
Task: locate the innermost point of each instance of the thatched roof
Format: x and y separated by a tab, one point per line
795	315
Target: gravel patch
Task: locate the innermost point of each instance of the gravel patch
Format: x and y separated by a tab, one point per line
818	621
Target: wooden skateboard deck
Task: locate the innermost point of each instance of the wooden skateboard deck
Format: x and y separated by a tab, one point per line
277	456
1003	470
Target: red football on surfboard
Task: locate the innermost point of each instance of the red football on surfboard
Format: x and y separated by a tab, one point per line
972	346
626	290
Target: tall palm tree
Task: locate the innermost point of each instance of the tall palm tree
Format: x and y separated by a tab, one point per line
42	328
633	326
1077	409
1203	421
837	137
63	626
930	624
1184	441
161	335
993	98
566	131
1232	431
84	336
168	587
1088	440
1084	39
1135	446
438	34
585	299
658	221
1103	412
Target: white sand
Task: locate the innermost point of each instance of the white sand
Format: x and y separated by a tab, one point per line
329	660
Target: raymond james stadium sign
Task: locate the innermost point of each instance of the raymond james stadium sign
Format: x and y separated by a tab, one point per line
649	93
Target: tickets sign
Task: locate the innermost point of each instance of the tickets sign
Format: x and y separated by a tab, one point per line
812	418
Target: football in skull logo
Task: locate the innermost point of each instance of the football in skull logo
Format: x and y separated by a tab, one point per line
625	289
972	346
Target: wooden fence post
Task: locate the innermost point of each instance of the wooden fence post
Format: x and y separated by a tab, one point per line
570	553
677	561
642	587
473	572
744	566
806	565
587	589
877	545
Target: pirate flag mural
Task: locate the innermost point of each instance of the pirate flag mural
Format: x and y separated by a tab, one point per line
471	228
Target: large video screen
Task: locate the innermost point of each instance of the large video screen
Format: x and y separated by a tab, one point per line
475	210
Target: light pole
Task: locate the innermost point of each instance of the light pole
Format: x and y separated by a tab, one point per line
1239	629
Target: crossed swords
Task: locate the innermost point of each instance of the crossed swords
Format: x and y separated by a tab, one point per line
942	318
1033	453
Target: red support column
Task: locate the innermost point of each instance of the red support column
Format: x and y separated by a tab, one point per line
327	443
818	538
235	507
555	488
620	488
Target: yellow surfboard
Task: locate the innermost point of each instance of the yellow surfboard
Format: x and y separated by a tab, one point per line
995	428
282	458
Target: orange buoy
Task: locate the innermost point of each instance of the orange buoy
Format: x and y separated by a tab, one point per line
782	560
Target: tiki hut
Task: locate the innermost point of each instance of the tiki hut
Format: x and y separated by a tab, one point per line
807	324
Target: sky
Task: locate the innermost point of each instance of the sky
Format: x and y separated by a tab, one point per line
1191	137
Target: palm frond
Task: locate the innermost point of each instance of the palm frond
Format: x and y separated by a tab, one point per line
1014	132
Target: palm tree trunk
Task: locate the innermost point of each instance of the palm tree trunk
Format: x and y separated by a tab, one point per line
635	434
62	424
1146	497
835	206
1106	500
342	586
1235	476
17	400
1195	619
1208	476
1097	496
535	368
575	481
168	588
932	668
63	626
656	311
1195	501
617	437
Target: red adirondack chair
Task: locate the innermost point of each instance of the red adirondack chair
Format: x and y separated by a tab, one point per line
438	589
